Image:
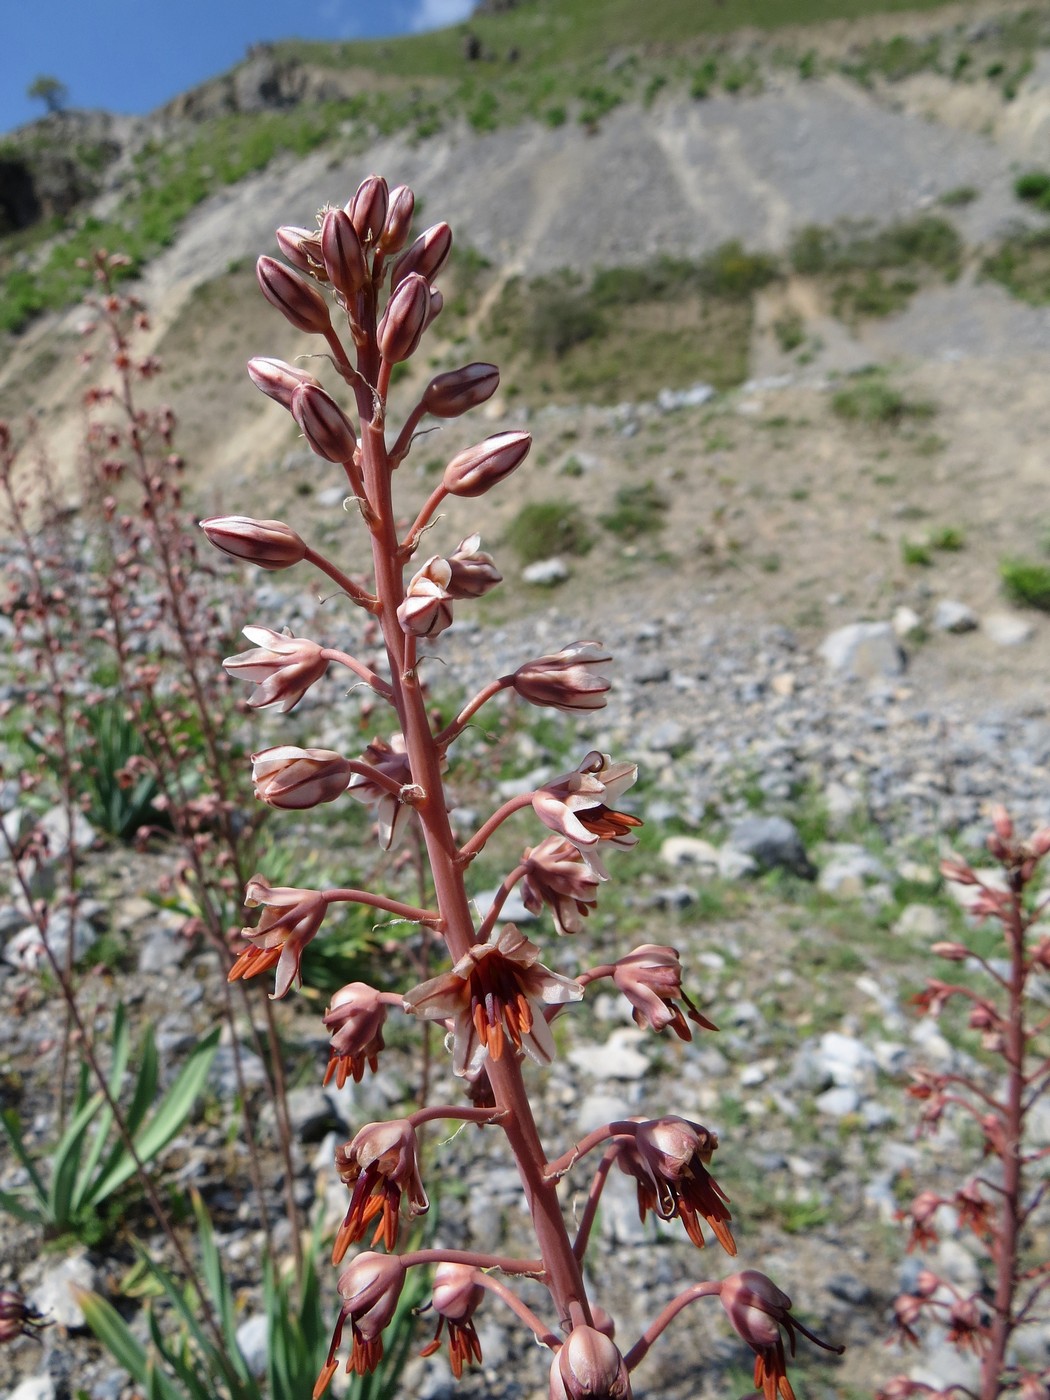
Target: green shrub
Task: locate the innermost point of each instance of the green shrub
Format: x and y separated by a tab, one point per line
1026	582
703	79
543	529
870	400
638	511
731	271
1021	264
1034	186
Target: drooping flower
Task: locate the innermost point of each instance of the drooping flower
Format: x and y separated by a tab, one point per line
758	1310
369	1288
290	919
284	666
556	875
650	977
391	814
567	680
354	1021
575	806
294	779
589	1366
455	1299
381	1164
495	993
667	1158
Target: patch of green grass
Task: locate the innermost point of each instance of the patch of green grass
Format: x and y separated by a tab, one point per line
895	59
1034	186
958	197
916	554
870	400
1022	264
949	538
1026	582
638	510
543	529
789	330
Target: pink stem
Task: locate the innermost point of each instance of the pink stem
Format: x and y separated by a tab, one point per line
352	590
621	1127
430	917
359	669
501	896
481	836
541	1333
664	1319
456	726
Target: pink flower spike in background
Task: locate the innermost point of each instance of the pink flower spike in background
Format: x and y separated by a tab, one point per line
284	666
496	993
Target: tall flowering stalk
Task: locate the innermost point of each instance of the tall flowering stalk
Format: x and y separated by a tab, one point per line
1002	1205
354	283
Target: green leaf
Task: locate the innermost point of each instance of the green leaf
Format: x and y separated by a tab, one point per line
13	1130
125	1348
62	1196
15	1206
118	1068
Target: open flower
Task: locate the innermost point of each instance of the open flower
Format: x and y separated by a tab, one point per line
758	1310
667	1158
391	814
589	1366
355	1023
576	807
567	680
290	919
285	667
455	1299
495	993
381	1164
294	778
556	875
650	977
369	1288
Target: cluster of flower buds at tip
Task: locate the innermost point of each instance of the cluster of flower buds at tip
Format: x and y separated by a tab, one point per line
406	317
567	680
368	208
401	205
589	1366
284	666
455	1298
269	544
290	920
369	1290
323	423
472	573
426	257
458	390
650	977
295	779
381	1164
477	469
427	608
300	303
302	248
343	255
354	1021
277	379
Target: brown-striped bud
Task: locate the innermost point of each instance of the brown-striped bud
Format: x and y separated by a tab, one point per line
400	209
476	469
404	319
294	298
277	379
368	208
427	609
323	423
295	779
271	544
427	255
451	394
589	1366
344	258
471	572
302	248
437	302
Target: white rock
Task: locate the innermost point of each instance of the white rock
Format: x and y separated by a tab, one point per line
849	870
253	1338
678	851
618	1058
546	572
845	1059
906	622
1007	629
952	616
839	1102
33	1388
735	865
53	1294
920	921
863	651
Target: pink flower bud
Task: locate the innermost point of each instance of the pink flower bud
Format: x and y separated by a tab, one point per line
354	1021
344	258
953	952
294	778
477	469
427	255
565	681
758	1310
650	977
400	208
302	248
454	393
296	300
427	609
368	208
457	1294
277	379
589	1366
270	544
471	573
404	320
323	423
285	667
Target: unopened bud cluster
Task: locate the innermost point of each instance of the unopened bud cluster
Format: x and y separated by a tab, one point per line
358	283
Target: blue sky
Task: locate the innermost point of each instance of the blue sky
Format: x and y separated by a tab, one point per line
132	55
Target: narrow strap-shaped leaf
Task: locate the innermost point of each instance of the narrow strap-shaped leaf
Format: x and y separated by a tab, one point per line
125	1348
13	1131
142	1101
14	1205
118	1068
218	1284
182	1366
63	1201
